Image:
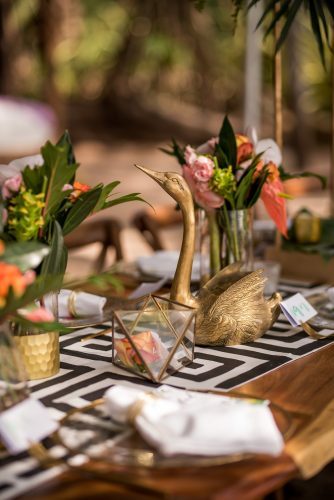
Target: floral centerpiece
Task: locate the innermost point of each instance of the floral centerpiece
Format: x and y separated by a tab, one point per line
227	176
42	200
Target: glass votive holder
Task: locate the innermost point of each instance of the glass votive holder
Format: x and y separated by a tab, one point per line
272	271
155	339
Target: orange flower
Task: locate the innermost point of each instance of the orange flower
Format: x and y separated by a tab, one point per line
11	276
2	247
272	195
149	347
78	189
81	187
245	148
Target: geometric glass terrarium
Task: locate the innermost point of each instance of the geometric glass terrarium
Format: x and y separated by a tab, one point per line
155	339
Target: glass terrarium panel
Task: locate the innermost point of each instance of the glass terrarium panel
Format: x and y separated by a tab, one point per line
151	341
155	340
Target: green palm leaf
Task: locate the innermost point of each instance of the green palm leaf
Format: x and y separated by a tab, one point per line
321	14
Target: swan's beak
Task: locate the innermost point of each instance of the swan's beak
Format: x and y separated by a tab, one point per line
159	177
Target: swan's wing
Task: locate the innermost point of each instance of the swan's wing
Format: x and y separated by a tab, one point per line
222	280
242	307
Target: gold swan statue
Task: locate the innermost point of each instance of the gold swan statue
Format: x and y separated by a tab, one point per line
231	308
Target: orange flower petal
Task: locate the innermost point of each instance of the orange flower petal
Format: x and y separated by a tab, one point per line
275	204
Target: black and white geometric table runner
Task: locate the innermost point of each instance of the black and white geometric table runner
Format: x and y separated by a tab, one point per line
87	372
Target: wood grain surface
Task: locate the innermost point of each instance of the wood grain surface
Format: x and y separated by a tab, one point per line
303	387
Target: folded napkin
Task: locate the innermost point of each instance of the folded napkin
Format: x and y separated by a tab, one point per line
77	304
162	264
183	422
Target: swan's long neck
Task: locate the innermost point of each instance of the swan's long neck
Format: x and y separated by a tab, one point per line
180	290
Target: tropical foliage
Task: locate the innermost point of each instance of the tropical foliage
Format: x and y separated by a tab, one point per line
321	16
42	200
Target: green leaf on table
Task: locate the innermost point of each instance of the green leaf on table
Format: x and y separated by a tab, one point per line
227	142
55	262
82	207
285	176
25	255
325	247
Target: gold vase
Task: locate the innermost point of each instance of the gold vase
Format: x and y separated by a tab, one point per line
40	353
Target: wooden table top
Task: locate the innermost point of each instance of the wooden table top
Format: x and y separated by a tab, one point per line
303	387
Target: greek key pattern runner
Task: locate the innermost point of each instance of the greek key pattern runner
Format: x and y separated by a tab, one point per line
86	372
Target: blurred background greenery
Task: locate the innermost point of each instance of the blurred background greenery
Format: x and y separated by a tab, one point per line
124	76
130	60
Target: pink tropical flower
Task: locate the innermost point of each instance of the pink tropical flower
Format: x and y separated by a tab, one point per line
190	155
271	195
39	314
67	187
11	186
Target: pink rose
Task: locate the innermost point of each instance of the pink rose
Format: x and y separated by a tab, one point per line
4	216
40	314
11	186
190	155
208	147
209	200
201	191
202	169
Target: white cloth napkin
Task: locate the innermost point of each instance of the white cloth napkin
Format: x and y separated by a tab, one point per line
183	422
162	264
77	304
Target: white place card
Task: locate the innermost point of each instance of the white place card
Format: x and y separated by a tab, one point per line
148	288
297	309
25	423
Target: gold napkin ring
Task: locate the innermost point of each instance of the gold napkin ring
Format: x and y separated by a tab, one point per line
137	407
71	304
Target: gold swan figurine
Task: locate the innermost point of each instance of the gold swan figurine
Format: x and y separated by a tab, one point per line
231	308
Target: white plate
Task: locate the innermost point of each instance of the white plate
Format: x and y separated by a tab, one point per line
163	264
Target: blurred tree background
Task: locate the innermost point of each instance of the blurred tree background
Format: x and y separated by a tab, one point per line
144	67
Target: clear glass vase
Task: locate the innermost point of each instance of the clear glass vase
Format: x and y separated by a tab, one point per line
225	237
237	242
